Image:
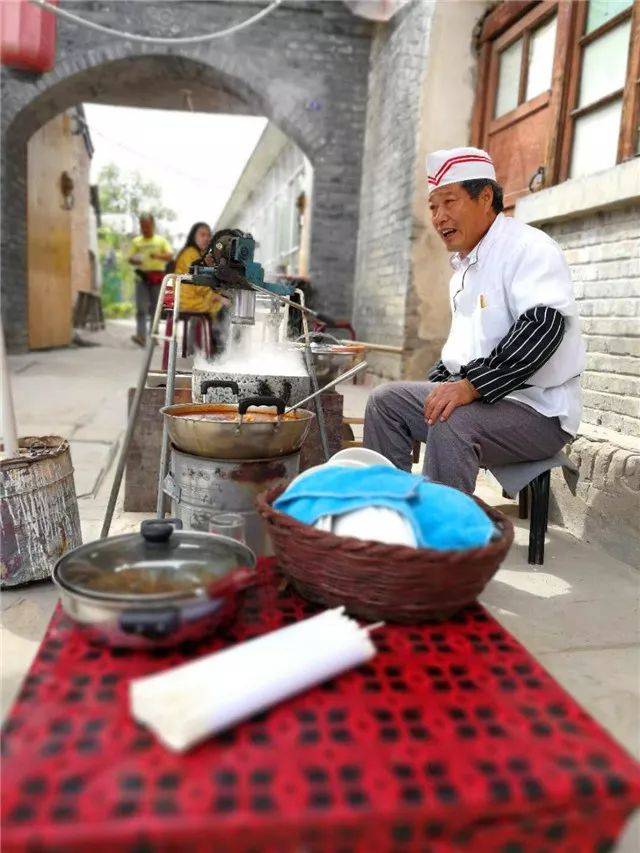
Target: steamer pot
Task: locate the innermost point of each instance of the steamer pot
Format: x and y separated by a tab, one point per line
291	389
155	588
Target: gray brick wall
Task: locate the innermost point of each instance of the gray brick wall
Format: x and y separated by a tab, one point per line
383	268
603	251
304	66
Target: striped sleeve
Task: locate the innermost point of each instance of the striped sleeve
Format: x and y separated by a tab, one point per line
438	372
528	344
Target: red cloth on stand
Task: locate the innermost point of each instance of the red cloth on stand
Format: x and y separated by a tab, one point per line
452	738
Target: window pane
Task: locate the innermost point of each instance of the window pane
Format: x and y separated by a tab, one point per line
600	11
595	140
508	79
604	64
541	49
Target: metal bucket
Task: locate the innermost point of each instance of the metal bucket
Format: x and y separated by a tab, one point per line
199	487
39	519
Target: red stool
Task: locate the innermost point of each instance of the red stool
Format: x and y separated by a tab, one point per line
203	330
203	333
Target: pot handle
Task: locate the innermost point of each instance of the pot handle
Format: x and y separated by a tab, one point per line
159	529
151	624
236	581
247	402
219	383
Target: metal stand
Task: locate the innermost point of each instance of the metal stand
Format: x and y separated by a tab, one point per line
154	337
314	380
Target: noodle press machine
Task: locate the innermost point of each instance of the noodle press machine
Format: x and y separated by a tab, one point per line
227	266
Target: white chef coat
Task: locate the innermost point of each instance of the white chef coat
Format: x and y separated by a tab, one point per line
514	268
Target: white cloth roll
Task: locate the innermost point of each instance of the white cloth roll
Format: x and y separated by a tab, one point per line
186	704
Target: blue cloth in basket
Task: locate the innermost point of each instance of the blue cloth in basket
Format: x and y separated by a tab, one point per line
441	517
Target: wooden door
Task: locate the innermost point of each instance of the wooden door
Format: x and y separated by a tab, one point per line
520	106
48	238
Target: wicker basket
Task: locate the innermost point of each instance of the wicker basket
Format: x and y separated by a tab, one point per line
378	581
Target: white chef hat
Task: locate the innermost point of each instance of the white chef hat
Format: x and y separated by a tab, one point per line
453	165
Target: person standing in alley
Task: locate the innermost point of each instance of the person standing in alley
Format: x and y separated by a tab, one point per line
149	255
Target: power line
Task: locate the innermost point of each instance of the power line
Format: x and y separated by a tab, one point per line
83	22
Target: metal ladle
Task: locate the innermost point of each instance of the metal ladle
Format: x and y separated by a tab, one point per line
342	378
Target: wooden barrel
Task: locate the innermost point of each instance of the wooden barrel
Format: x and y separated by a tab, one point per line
39	520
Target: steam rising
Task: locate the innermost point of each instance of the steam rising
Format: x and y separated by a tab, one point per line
248	353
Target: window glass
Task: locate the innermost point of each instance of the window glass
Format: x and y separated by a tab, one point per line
604	64
595	140
508	79
541	49
600	11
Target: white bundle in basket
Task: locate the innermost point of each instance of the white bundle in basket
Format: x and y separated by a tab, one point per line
186	704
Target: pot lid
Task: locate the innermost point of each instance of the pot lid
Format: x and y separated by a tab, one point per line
161	561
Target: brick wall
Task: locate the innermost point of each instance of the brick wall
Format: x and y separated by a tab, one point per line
383	263
603	251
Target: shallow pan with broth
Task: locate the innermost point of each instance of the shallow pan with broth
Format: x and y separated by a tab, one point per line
230	431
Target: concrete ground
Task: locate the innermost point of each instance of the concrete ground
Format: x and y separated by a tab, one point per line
578	614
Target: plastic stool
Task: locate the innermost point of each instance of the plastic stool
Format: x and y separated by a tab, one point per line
203	333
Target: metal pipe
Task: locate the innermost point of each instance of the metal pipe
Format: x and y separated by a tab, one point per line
168	398
302	307
324	441
133	414
353	371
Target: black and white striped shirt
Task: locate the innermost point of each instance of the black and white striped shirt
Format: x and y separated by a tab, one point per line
528	344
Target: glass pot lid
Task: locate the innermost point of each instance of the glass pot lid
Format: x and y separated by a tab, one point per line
159	562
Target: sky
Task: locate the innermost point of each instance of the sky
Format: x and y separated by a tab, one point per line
196	158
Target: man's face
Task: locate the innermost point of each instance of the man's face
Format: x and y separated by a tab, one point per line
460	220
146	227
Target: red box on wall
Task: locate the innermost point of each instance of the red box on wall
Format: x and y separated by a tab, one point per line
27	36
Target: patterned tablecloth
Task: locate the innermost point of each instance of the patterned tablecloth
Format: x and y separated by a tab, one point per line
452	738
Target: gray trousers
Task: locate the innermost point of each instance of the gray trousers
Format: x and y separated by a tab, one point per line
476	435
146	301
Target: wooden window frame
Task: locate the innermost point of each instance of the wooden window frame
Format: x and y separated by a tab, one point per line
510	20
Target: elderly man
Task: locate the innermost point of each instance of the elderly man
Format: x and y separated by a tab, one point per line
507	386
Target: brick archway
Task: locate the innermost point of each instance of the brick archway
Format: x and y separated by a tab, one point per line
304	67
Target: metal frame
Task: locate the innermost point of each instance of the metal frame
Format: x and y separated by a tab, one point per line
154	337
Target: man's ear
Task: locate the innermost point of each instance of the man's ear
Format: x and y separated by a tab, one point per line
487	197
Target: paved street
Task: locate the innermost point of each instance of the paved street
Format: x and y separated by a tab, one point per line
577	614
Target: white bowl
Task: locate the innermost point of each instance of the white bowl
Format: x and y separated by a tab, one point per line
362	455
377	523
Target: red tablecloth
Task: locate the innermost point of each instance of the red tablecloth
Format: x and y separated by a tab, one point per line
453	737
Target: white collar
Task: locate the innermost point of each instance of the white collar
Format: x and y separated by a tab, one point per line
460	263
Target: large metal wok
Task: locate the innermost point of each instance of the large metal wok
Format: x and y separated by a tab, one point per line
230	431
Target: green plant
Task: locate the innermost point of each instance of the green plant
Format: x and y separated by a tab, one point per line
118	310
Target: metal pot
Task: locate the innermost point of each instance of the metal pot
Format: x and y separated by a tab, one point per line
155	588
291	389
330	356
234	437
201	487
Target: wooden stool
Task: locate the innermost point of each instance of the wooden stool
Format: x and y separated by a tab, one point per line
87	312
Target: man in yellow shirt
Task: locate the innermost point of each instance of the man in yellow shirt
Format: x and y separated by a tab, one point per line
149	255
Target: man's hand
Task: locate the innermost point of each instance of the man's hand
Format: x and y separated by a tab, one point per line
444	399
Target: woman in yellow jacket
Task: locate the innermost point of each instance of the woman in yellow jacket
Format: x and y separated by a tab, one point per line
193	297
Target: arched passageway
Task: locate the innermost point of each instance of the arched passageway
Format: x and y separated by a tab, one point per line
304	67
